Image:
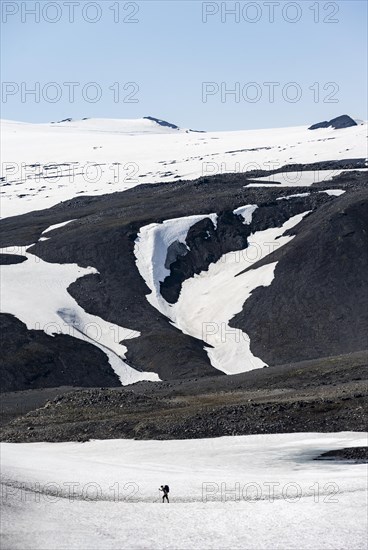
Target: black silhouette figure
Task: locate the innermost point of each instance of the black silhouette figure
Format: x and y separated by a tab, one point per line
165	489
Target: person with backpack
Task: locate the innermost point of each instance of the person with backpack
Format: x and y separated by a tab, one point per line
165	489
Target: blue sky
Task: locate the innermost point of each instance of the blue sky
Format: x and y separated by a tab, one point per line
317	67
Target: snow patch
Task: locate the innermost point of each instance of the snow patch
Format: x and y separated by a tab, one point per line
293	196
334	192
56	226
36	293
298	179
246	212
209	300
151	248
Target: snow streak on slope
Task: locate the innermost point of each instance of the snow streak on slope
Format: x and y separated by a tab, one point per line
258	491
208	301
298	179
246	212
36	293
56	226
332	192
44	164
151	248
52	227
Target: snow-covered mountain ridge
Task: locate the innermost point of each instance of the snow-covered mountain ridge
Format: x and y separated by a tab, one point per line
44	164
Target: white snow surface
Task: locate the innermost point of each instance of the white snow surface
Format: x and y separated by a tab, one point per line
334	192
298	179
151	248
293	196
246	212
44	164
208	301
245	492
56	226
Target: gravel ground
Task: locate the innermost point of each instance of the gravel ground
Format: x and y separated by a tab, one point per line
356	454
325	395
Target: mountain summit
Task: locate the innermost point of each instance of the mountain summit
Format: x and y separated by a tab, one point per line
343	121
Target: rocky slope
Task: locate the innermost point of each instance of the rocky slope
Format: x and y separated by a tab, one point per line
32	359
343	121
318	298
314	396
326	264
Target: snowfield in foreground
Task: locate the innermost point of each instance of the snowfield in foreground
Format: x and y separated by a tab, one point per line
259	491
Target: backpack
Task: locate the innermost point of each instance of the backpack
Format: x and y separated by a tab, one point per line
166	489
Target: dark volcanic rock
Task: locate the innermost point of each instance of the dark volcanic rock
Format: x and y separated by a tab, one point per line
32	359
162	122
103	236
175	250
317	304
10	259
356	454
343	121
207	244
326	395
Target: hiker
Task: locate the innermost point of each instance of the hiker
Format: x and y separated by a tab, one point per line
165	489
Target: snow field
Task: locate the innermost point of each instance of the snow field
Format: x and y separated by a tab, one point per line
295	502
45	164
